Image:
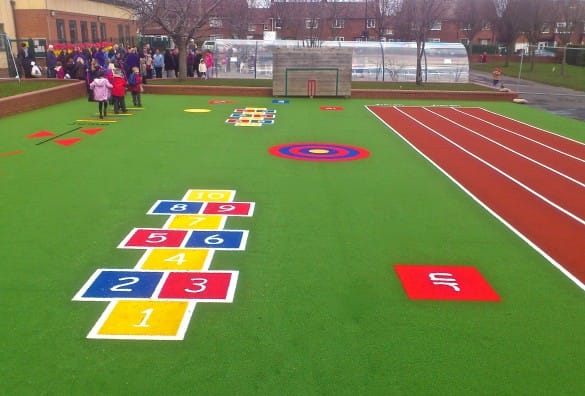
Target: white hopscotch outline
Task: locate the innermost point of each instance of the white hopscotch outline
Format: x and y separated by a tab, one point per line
556	264
202	209
179	335
229	297
191	303
188	234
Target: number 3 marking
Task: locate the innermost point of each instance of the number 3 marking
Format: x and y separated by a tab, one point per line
200	283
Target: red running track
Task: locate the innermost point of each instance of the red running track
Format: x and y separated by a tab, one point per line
531	179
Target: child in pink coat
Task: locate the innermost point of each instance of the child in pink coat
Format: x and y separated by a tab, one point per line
101	92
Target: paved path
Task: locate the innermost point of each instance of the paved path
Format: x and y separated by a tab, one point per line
562	101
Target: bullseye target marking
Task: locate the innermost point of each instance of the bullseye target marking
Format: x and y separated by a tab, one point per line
319	152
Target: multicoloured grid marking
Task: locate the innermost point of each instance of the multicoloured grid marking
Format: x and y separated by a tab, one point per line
319	152
156	299
203	286
252	117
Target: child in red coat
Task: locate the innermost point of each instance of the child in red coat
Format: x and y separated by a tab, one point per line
119	91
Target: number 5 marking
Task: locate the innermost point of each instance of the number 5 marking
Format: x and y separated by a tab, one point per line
156	237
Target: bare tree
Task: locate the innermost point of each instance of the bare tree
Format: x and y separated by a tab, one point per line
472	16
538	16
179	19
509	22
415	19
383	10
569	15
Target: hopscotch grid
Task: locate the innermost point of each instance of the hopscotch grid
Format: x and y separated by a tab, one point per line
475	132
165	273
551	260
526	137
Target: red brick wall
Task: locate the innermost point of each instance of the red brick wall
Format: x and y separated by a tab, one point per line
37	99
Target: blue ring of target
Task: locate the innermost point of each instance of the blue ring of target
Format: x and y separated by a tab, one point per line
319	152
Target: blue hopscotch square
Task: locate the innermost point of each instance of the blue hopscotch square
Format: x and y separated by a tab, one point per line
164	207
106	284
217	239
270	111
267	122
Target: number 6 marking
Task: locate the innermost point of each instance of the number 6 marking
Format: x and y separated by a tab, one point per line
213	240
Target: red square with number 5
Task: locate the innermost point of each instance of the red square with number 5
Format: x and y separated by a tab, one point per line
208	286
424	282
145	238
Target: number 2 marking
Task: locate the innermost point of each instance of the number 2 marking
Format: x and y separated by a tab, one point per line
132	280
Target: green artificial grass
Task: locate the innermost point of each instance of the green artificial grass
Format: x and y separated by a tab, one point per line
354	84
10	88
318	309
546	73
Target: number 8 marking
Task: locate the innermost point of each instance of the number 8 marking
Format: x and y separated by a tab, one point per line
178	208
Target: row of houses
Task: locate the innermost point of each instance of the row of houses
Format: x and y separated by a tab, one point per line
93	21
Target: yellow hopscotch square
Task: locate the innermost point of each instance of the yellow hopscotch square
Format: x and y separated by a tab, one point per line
209	195
247	109
155	320
247	124
196	222
175	259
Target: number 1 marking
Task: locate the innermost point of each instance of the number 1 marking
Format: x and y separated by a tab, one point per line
146	313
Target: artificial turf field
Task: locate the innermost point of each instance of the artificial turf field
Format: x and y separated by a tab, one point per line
318	308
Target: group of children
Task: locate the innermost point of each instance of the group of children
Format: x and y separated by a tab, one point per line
109	86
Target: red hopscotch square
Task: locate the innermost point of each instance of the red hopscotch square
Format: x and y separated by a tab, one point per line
424	282
227	208
197	286
151	238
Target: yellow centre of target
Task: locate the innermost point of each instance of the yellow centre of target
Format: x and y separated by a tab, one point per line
318	151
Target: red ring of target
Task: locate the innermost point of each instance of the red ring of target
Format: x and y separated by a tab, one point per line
319	152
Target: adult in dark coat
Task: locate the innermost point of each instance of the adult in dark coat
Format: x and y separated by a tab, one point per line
169	63
132	60
24	58
51	62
